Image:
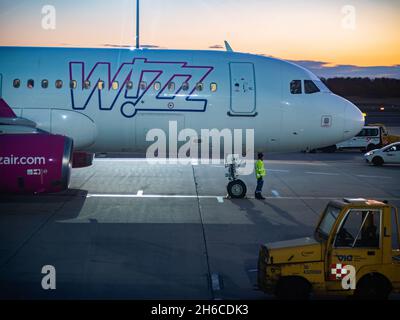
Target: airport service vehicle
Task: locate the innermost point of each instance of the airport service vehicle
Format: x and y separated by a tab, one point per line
108	100
387	138
388	154
369	138
354	252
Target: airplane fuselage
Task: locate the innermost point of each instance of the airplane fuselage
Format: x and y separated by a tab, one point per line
108	99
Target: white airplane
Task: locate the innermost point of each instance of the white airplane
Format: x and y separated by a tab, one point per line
106	100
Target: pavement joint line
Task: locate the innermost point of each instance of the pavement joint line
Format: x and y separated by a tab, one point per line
375	177
42	224
302	200
323	173
209	277
277	170
87	180
215	282
358	178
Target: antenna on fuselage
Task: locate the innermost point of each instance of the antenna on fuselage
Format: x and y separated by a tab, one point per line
137	24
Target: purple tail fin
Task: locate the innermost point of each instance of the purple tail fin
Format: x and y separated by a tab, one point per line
5	110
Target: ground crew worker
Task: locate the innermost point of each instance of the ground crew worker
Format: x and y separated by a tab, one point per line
260	173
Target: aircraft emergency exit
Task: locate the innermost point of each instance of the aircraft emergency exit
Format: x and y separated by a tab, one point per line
60	104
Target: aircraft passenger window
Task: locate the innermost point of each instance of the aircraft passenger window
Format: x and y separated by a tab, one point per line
360	229
185	86
157	86
100	85
295	87
59	84
72	84
115	85
30	84
310	87
129	85
45	84
200	86
16	83
86	84
213	87
171	86
143	85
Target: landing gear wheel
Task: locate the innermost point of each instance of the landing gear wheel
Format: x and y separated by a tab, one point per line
237	189
377	161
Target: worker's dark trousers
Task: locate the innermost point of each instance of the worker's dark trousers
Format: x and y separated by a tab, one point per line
260	183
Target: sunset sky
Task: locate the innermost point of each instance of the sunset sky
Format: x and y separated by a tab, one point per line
314	32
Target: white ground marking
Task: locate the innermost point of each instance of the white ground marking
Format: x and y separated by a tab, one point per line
174	196
277	170
124	160
323	173
275	194
305	162
220	199
140	193
252	270
105	195
161	161
215	282
373	177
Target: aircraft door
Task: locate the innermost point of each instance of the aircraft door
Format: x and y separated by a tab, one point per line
243	91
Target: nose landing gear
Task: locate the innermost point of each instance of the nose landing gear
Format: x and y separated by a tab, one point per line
236	188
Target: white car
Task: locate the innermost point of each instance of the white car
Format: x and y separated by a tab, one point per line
387	154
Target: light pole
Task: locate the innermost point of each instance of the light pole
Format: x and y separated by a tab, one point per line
137	25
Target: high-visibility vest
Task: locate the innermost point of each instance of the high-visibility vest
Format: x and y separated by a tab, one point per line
260	169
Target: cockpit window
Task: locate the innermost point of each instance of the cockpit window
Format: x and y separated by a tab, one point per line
295	87
310	87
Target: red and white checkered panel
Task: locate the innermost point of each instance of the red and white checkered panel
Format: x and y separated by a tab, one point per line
337	271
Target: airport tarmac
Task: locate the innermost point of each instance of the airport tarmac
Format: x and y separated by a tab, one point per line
128	229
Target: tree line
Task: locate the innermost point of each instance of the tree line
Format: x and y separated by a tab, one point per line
364	87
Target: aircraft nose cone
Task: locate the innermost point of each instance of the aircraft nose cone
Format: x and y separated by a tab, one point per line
354	121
